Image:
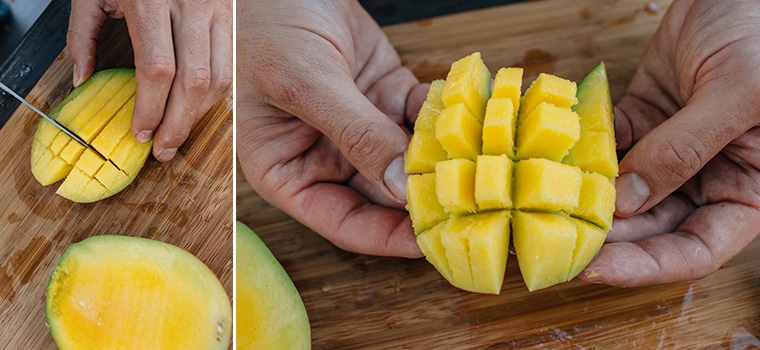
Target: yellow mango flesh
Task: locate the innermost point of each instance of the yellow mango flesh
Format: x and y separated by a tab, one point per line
121	292
544	243
546	156
100	112
469	83
459	132
270	313
455	185
547	132
499	127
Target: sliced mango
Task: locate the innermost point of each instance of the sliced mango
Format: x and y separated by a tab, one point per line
547	157
100	112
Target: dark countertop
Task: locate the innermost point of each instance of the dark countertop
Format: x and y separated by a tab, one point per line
45	39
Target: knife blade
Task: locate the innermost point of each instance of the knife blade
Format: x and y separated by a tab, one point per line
49	119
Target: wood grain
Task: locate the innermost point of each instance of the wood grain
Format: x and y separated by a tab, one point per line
186	202
364	302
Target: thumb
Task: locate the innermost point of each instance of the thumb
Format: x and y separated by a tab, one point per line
85	23
369	139
674	151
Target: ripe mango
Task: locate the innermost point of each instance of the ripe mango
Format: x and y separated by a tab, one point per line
100	112
269	311
122	292
535	169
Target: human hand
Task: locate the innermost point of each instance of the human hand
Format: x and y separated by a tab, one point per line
322	101
183	60
689	186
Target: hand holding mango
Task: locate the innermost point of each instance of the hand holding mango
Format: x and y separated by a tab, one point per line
321	103
183	61
319	150
688	188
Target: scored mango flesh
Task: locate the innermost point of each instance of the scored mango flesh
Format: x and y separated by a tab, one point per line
487	164
100	112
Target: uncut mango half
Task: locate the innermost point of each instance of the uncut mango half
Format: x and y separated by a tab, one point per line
124	292
100	112
490	166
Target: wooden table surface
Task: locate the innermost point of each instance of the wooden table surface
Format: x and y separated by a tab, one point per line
363	302
186	202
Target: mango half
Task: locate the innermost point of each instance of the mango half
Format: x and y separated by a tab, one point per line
100	112
121	292
269	312
490	165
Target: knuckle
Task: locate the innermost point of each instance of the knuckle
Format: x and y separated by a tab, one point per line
681	160
285	89
358	141
159	67
198	80
222	82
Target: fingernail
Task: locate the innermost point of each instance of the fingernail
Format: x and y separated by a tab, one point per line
591	275
167	154
395	179
144	136
632	192
77	77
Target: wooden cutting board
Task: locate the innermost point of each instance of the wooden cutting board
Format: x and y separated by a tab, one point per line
186	202
364	302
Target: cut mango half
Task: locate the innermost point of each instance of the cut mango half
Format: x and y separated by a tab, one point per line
489	166
100	112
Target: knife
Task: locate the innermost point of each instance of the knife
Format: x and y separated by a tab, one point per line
51	120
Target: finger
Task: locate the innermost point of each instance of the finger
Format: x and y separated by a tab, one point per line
149	24
305	184
192	80
328	100
662	218
354	224
85	23
670	154
221	57
414	102
368	190
705	241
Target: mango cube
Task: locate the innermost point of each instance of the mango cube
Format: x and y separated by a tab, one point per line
455	244
508	84
541	184
430	109
493	182
549	88
488	241
423	152
468	82
544	243
459	132
596	203
547	132
499	127
422	202
455	185
590	240
431	245
594	152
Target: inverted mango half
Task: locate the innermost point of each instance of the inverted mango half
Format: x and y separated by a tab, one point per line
100	112
490	166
